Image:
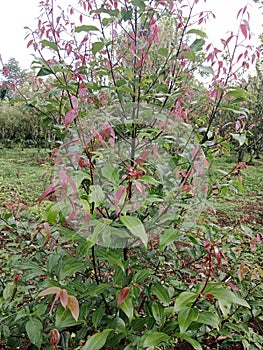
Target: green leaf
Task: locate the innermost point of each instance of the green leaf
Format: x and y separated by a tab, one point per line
139	3
168	237
43	71
113	257
195	344
96	47
97	341
163	51
142	275
155	338
161	293
186	316
85	28
65	319
68	266
135	226
8	291
184	299
34	330
241	138
158	312
206	70
198	32
110	173
127	307
50	44
224	294
209	318
97	316
238	93
96	195
197	45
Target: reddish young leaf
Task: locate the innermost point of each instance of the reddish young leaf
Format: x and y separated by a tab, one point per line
241	272
63	296
55	338
243	29
74	102
119	194
5	70
70	116
48	191
123	295
48	291
73	306
29	43
208	296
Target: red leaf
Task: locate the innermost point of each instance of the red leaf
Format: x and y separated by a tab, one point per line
123	295
243	29
5	70
63	296
70	116
55	337
74	102
208	296
119	194
48	191
29	43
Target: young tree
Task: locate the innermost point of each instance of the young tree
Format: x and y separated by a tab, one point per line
131	182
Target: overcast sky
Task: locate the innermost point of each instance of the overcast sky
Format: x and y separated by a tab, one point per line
16	14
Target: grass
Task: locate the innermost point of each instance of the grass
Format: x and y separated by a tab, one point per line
241	204
21	174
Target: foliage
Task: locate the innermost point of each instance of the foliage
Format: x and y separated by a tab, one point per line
129	249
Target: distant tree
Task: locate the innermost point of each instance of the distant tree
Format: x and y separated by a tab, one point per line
12	76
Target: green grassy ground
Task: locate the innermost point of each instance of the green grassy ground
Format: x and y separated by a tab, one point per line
241	204
20	174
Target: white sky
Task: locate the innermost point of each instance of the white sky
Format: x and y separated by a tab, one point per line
15	14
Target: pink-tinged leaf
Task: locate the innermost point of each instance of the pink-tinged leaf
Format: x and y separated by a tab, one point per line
29	43
46	227
233	286
73	187
243	29
5	70
238	125
239	12
48	191
72	215
63	179
74	102
63	296
123	295
119	194
73	306
142	157
70	117
254	241
48	291
198	167
55	338
195	151
140	187
241	272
